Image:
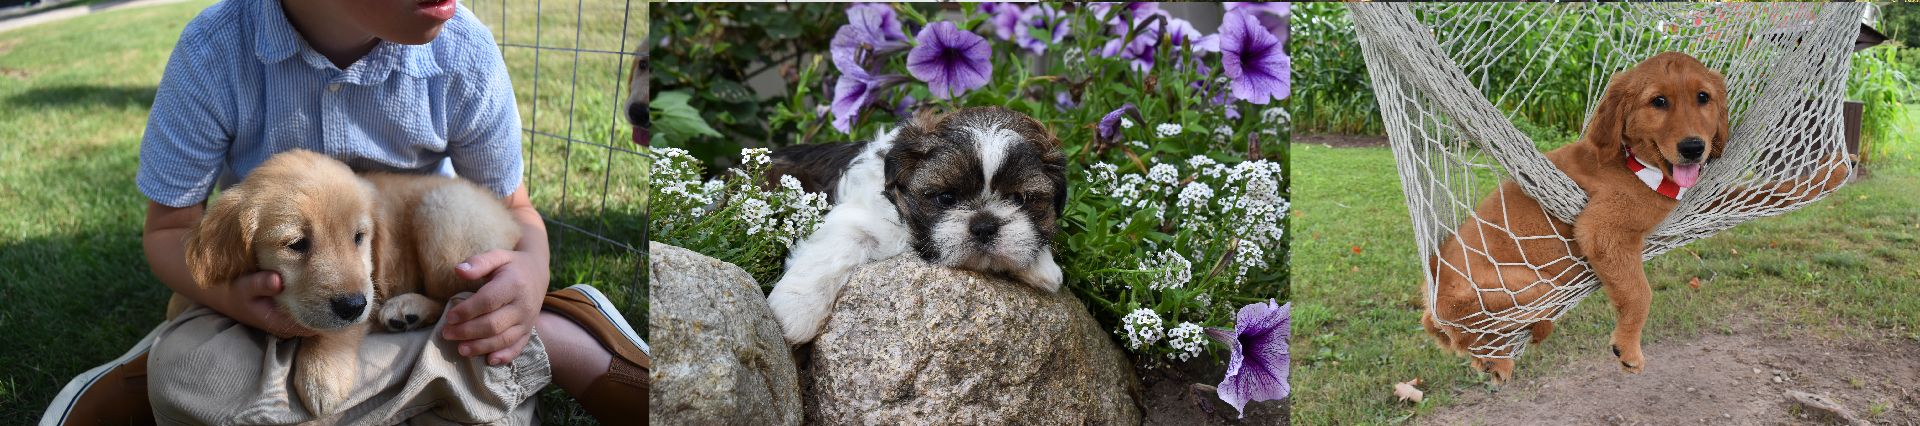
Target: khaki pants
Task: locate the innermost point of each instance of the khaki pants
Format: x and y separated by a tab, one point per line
206	368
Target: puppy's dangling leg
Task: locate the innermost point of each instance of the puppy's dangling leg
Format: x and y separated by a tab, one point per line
324	368
1043	273
1613	250
851	235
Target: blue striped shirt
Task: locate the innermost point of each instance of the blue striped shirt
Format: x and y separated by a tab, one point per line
242	85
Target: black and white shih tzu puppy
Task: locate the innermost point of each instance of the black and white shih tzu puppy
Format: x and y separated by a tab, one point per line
977	189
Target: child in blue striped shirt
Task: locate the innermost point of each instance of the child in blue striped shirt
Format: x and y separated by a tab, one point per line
392	85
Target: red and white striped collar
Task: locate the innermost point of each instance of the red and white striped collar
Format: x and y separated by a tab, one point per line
1652	177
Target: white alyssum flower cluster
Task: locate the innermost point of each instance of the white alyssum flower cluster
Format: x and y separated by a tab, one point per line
1186	340
784	214
1174	270
1142	328
1167	130
1241	203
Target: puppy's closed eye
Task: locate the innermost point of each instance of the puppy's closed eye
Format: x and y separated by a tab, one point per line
944	199
299	245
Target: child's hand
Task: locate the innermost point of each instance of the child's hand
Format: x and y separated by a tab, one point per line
498	319
249	300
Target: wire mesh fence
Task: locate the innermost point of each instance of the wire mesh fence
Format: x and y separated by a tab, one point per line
570	62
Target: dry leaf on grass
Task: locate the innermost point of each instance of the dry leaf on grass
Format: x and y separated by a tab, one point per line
1695	283
1407	392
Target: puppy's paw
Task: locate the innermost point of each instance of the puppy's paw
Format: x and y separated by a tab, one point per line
324	392
1632	360
406	312
1501	369
800	315
1043	274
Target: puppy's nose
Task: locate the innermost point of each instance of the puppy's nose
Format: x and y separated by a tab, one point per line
1692	148
637	114
983	228
349	307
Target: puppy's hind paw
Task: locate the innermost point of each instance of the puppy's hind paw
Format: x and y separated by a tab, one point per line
801	317
407	312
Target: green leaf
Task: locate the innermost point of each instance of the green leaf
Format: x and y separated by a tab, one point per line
676	121
729	91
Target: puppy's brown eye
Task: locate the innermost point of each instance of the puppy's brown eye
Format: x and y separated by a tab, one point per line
359	237
1660	102
298	245
1703	98
945	199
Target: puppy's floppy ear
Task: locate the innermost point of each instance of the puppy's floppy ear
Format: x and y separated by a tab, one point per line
910	145
1054	161
1607	129
220	247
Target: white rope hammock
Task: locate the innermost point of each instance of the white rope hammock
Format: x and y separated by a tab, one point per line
1786	70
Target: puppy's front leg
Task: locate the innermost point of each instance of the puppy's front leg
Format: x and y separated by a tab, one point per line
851	235
1613	243
1043	273
324	369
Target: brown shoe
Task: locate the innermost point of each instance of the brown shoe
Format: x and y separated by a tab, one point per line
114	393
620	396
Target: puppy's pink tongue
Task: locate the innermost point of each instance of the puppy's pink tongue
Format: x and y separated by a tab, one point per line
1686	175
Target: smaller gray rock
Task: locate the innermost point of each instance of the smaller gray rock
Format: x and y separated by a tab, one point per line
913	343
718	354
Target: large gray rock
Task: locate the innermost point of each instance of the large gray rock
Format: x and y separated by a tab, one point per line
719	358
913	343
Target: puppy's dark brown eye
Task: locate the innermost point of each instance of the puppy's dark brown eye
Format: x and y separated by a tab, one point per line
359	237
299	245
1660	102
1703	98
945	199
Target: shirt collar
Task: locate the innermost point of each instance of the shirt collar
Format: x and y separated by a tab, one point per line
275	40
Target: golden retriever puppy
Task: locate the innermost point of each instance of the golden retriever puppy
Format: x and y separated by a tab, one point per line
1667	114
1657	123
347	248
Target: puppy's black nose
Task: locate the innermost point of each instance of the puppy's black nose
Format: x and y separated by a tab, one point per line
1692	148
983	228
396	324
349	307
637	114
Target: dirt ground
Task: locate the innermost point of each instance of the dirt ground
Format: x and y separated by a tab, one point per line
1172	400
1737	378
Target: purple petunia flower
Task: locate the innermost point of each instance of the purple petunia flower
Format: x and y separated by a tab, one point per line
1142	47
1273	16
1117	25
853	91
1255	62
1109	126
871	29
1258	368
950	60
1064	101
1041	16
1005	18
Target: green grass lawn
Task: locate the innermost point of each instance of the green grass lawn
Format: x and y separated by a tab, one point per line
74	97
1843	267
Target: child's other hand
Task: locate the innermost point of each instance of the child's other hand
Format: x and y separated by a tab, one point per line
249	300
498	319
